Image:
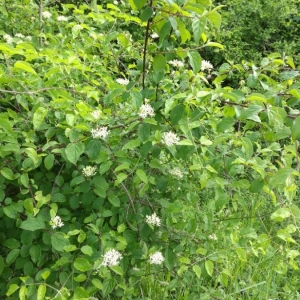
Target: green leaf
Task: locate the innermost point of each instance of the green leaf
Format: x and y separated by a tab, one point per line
12	256
142	175
23	292
87	250
215	18
285	235
118	270
252	81
97	283
225	124
82	265
280	177
105	167
176	114
108	286
146	14
252	111
213	44
93	149
114	200
120	178
296	128
241	254
159	63
73	152
33	224
288	75
49	161
59	241
198	26
281	214
39	116
131	145
248	147
24	66
101	186
144	132
195	61
12	289
7	173
24	179
41	292
209	267
256	186
35	252
139	3
11	243
197	270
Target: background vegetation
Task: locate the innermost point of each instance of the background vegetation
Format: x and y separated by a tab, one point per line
148	151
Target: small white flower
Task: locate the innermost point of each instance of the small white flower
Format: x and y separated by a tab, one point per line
111	258
56	222
62	18
116	2
96	114
176	63
8	38
28	38
77	27
176	172
89	171
46	14
156	258
170	138
100	132
122	81
213	237
153	220
154	35
206	65
19	35
146	110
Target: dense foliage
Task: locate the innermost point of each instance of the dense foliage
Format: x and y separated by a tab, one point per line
132	168
253	29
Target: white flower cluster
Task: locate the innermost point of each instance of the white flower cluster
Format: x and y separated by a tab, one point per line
154	35
96	114
213	237
8	38
156	258
46	14
176	172
122	81
153	220
62	18
77	27
170	138
89	171
206	65
176	63
19	35
56	222
146	110
28	38
111	258
100	132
